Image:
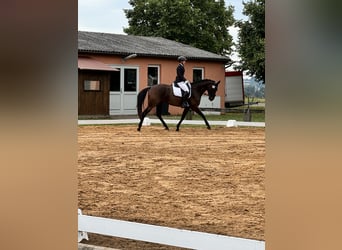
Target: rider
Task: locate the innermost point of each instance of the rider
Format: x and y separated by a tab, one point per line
181	81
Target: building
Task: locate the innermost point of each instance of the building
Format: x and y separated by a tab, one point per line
113	68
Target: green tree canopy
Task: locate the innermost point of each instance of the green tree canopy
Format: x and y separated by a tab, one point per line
251	40
199	23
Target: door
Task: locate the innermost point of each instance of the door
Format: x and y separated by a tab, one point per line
93	91
123	91
129	98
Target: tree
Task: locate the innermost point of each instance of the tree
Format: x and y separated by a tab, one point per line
251	40
199	23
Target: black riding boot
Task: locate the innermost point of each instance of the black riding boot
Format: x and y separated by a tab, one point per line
185	96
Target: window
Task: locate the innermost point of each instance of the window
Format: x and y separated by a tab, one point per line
91	85
152	75
130	80
115	81
197	74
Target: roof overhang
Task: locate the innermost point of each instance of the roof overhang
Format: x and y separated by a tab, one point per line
221	59
92	64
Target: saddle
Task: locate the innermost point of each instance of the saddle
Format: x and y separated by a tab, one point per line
177	91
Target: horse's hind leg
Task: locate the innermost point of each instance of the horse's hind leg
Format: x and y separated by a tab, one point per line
159	112
144	113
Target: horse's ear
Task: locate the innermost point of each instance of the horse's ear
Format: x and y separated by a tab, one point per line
218	82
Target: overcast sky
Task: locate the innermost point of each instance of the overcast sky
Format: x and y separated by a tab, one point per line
108	16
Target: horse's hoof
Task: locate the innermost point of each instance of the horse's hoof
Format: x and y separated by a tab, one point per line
209	128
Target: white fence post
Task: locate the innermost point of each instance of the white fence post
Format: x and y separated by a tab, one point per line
81	234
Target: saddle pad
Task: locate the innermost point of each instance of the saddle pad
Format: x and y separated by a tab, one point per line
177	90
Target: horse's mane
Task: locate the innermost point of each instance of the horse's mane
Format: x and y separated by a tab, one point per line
200	82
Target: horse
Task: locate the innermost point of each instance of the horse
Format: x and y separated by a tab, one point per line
162	93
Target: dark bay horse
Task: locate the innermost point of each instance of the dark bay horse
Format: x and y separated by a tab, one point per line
162	93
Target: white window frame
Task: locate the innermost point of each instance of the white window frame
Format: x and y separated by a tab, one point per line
198	68
158	68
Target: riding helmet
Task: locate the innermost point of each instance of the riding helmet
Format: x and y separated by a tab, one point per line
181	58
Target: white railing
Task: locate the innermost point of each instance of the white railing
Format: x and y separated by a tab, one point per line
149	121
163	235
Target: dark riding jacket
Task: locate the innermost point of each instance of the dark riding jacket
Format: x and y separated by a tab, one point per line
180	73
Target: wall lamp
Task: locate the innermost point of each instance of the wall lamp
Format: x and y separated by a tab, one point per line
129	57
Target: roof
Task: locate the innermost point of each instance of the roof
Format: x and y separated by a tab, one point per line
117	44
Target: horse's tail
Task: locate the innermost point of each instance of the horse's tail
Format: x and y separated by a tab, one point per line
140	100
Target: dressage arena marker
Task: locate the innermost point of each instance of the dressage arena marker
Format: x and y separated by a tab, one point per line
163	235
231	123
149	121
146	122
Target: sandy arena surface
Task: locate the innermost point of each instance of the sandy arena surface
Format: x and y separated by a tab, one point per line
197	179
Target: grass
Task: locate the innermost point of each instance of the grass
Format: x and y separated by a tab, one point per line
254	99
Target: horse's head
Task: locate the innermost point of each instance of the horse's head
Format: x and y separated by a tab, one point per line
211	89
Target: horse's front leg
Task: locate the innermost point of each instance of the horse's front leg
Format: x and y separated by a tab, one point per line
198	111
185	111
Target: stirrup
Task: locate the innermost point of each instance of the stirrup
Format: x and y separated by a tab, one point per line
185	104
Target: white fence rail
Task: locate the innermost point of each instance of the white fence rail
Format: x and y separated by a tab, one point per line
164	235
149	121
